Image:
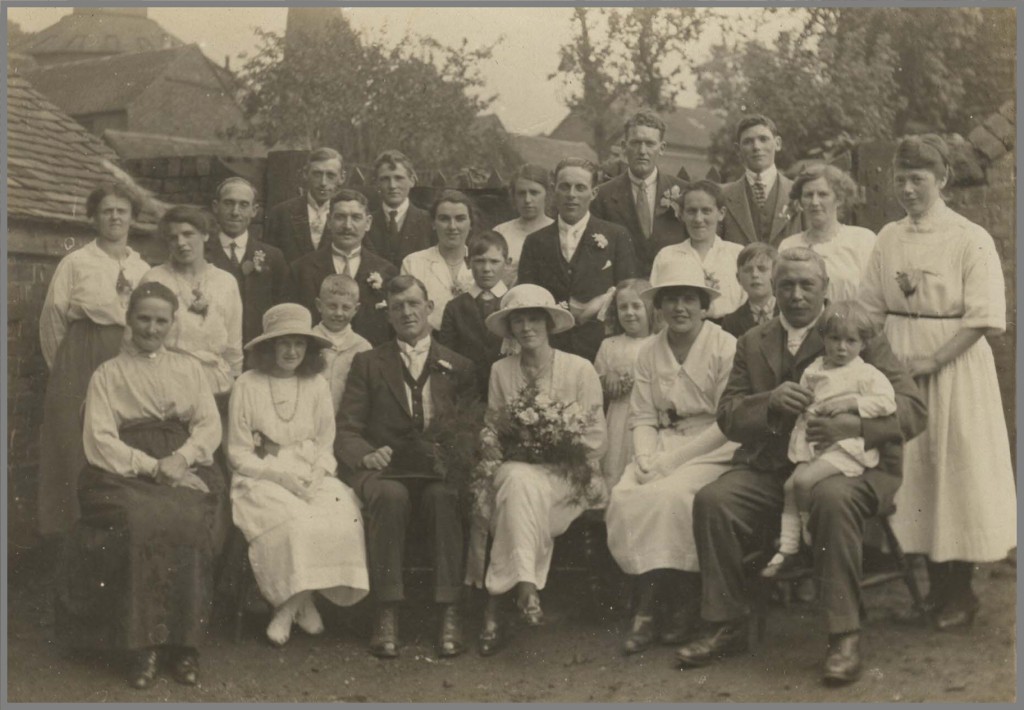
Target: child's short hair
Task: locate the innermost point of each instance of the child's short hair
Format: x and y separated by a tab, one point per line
612	325
846	314
485	241
755	250
706	186
339	285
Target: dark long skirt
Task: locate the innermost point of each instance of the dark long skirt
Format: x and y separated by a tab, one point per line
85	347
141	559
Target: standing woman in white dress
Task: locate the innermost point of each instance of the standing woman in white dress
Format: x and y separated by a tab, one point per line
529	190
209	323
303	525
823	191
533	505
680	375
936	282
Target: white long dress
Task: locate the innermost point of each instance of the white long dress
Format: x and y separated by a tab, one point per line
533	506
515	237
294	545
846	255
650	525
958	500
617	356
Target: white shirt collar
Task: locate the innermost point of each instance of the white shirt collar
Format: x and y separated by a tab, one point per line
318	209
649	181
795	337
402	209
420	348
242	240
574	229
498	290
339	339
768	177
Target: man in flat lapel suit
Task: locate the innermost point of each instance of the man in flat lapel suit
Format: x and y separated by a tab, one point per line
399	227
296	226
264	279
758	409
634	198
392	394
579	258
348	220
757	205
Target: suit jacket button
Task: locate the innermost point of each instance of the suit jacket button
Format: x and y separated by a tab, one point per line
570	272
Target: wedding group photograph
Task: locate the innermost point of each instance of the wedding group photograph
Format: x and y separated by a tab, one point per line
510	354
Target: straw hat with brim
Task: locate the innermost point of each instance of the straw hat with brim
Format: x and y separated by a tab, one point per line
287	319
681	271
528	296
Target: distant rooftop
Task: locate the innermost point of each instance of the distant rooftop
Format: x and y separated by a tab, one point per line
97	32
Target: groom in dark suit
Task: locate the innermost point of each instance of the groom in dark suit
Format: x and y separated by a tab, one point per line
636	198
296	226
347	223
578	258
264	279
393	393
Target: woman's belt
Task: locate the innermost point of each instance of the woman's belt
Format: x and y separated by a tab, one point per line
684	424
932	316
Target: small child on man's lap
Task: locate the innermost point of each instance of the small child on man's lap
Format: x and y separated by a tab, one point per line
337	304
841	383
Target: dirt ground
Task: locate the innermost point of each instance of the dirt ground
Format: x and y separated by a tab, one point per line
573	658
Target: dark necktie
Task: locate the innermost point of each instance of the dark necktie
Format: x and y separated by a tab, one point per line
416	387
234	254
393	223
643	210
760	193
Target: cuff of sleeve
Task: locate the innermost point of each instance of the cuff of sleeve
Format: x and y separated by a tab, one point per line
189	452
144	465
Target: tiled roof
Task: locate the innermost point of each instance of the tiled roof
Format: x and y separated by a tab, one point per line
52	162
546	152
132	145
98	32
106	84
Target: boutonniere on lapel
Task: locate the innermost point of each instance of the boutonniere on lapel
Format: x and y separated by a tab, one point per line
601	241
563	304
458	289
671	197
910	279
200	305
785	212
258	264
375	281
443	367
711	281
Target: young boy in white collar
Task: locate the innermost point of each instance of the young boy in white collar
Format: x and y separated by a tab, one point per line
337	304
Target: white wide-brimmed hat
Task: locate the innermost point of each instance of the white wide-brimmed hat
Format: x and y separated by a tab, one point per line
682	270
287	319
526	296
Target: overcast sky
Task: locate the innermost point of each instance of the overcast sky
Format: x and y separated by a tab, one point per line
527	101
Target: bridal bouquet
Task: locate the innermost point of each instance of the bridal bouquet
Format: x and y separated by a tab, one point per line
535	429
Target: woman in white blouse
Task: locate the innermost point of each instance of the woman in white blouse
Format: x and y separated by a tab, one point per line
141	564
823	192
529	190
303	525
443	268
80	327
533	505
209	322
679	376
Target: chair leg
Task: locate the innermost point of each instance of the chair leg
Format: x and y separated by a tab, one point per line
905	567
591	553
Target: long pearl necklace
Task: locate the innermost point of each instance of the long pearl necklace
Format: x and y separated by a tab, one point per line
273	398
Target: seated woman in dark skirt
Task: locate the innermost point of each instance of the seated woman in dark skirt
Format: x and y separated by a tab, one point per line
141	570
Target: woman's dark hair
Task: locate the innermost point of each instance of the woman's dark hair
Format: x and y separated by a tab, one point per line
535	312
186	214
531	172
264	359
458	198
927	151
702	295
711	188
92	202
152	289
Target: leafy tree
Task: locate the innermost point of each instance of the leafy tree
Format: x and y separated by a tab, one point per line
622	58
852	75
327	85
15	35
